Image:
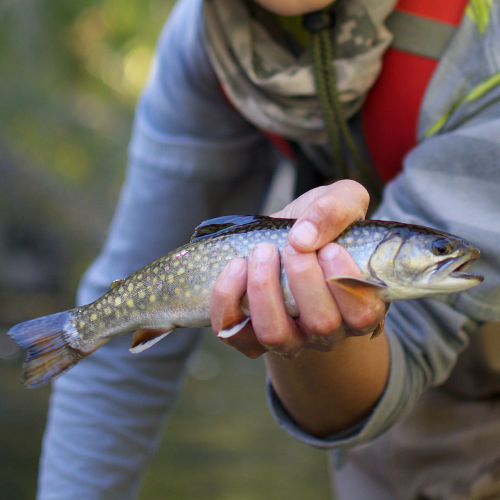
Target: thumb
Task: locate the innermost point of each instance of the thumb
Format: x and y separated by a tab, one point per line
324	212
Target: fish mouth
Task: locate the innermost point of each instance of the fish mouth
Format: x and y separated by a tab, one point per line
455	268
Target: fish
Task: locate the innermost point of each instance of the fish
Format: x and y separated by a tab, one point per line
400	261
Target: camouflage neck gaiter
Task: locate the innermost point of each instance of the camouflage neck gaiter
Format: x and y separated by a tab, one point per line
272	85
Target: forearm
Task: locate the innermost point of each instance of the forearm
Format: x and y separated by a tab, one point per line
325	392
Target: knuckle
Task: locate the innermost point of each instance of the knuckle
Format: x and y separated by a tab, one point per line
366	319
357	188
326	205
300	267
261	278
280	338
323	324
330	209
220	294
274	338
259	284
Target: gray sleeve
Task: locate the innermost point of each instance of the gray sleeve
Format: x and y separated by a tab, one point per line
424	338
191	157
450	181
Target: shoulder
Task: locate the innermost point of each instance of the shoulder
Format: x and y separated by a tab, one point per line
467	79
181	48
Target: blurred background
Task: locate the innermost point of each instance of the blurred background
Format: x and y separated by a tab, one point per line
70	76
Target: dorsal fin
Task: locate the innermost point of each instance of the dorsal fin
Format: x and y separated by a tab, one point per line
226	224
115	284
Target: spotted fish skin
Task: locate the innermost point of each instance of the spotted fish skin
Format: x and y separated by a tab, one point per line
174	290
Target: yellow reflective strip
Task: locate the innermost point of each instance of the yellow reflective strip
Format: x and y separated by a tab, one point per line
479	13
474	94
483	88
484	14
440	123
469	12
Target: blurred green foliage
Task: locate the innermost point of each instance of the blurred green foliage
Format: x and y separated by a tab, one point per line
71	74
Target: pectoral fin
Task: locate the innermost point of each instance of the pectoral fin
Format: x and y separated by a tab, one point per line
146	338
233	330
378	330
355	285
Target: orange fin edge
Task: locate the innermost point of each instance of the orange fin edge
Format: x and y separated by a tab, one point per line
145	338
354	285
378	330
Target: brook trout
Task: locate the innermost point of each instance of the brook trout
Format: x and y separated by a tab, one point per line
400	261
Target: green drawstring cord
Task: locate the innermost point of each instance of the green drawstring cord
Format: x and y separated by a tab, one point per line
318	24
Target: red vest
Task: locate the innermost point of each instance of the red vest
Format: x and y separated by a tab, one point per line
391	110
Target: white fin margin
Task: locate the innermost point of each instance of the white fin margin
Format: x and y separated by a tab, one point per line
229	332
149	343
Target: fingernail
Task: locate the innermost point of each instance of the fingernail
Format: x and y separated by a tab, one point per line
304	234
235	267
330	252
263	252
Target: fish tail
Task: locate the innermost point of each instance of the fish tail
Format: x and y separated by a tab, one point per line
49	353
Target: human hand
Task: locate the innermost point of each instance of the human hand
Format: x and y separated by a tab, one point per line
327	312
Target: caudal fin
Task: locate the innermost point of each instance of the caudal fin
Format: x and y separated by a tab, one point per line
49	353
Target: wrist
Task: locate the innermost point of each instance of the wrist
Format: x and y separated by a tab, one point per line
325	392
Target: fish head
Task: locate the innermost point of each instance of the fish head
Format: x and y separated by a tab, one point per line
415	261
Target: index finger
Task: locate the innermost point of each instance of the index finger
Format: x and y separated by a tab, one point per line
361	309
323	213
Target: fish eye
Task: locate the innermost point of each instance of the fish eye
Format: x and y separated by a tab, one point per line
441	247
